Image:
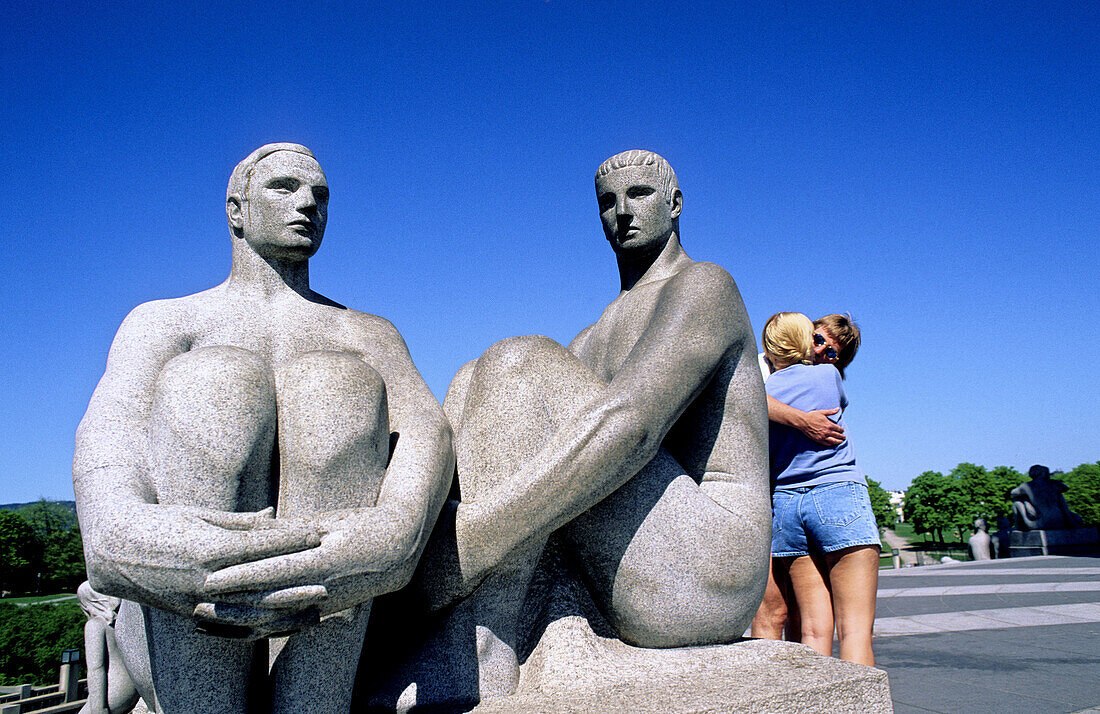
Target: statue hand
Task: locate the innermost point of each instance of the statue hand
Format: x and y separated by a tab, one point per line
362	554
161	555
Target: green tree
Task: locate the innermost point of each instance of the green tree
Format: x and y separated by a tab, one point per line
59	560
48	517
32	638
984	494
933	502
880	504
1083	496
19	552
1006	478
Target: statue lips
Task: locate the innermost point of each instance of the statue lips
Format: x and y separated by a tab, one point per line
303	226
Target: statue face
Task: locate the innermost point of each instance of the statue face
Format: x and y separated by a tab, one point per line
286	207
636	218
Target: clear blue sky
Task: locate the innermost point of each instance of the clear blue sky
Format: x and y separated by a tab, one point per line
930	167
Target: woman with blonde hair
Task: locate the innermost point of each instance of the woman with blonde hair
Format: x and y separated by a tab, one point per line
825	541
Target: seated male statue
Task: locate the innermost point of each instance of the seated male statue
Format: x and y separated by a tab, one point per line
256	461
643	444
1038	504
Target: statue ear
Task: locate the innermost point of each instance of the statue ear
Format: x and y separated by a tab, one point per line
677	204
233	213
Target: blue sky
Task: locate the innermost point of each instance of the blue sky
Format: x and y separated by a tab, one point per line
929	167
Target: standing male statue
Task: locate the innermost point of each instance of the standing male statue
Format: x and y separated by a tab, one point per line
643	444
259	394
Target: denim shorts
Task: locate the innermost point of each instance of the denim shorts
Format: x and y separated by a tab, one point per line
824	518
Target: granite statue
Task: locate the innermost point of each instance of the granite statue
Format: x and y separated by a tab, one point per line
638	451
1038	504
980	542
111	690
257	463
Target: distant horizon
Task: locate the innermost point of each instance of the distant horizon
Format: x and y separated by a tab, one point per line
928	168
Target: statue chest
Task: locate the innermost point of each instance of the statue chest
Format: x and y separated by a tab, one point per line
613	337
277	338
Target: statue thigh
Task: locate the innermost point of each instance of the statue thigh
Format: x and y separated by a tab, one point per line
669	566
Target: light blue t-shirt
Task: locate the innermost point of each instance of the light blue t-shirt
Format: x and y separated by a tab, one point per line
796	460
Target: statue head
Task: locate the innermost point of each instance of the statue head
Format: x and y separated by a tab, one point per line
96	604
980	525
640	201
277	201
1039	472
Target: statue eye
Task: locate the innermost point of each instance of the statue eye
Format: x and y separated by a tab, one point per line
283	185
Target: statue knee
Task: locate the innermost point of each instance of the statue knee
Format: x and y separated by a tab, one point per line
330	375
229	371
517	354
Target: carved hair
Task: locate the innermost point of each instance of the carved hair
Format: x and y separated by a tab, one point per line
242	174
788	339
640	157
846	334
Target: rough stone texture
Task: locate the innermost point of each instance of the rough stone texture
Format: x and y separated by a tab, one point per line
574	670
1066	541
188	507
571	661
639	452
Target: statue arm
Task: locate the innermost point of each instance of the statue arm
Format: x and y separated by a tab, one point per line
816	425
695	329
371	550
135	548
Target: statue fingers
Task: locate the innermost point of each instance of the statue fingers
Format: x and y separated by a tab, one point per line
243	548
293	598
238	521
250	623
275	573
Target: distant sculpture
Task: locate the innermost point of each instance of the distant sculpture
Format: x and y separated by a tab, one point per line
642	446
110	688
1002	538
187	506
980	541
1039	504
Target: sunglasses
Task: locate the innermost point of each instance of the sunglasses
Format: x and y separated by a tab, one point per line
830	353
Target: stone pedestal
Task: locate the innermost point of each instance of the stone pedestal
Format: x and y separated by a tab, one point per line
575	670
1068	541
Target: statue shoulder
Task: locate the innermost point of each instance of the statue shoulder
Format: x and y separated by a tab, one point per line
374	330
703	278
710	287
163	316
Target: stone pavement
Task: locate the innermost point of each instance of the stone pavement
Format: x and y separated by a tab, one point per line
1018	635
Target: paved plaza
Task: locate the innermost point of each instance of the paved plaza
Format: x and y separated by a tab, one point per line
1017	635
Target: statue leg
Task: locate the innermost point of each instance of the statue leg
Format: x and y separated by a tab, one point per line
212	433
672	562
506	405
670	565
334	446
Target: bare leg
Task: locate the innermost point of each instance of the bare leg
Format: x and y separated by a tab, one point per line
853	574
513	398
809	581
334	448
657	551
772	615
213	427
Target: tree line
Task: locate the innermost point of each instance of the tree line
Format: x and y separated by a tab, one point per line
40	549
935	502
